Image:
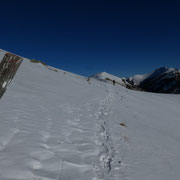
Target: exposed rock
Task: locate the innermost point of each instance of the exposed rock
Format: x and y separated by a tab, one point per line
9	65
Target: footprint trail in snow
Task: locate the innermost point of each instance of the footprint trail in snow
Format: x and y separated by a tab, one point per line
103	168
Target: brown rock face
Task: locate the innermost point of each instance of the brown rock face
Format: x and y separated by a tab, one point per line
8	68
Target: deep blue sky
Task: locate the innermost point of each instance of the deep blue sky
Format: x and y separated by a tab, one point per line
120	37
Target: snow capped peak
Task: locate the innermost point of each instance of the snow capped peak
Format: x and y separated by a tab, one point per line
163	79
104	76
103	73
163	70
137	79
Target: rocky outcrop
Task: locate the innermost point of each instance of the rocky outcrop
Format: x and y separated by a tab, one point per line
9	64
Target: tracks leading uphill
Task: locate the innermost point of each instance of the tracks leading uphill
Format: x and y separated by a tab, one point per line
103	168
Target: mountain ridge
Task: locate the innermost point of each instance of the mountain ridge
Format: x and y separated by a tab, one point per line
161	80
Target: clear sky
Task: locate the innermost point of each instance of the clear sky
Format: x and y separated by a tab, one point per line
85	37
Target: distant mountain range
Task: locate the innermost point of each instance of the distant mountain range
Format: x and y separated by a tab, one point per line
162	80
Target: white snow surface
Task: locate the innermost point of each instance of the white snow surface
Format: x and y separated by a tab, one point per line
57	126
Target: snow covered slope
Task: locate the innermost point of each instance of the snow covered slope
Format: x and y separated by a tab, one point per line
57	126
163	80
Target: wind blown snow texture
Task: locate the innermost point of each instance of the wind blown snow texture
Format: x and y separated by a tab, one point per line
58	126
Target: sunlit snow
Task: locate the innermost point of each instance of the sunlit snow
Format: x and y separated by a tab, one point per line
59	126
